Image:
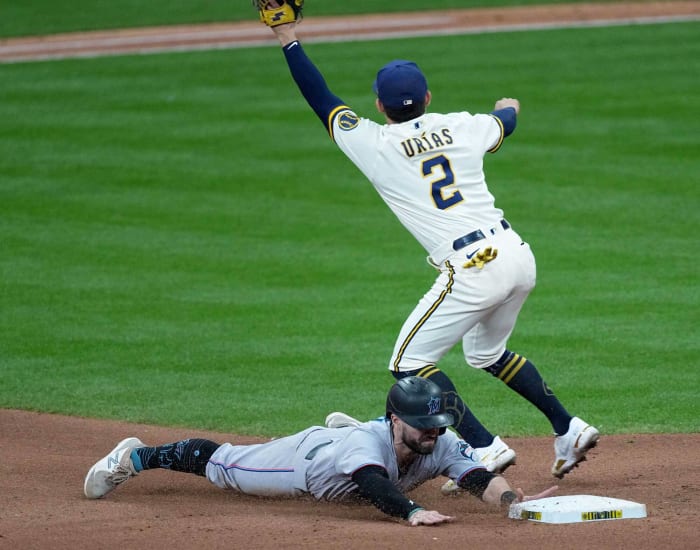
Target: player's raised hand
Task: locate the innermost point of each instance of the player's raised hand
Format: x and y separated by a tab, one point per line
275	13
281	16
507	102
428	517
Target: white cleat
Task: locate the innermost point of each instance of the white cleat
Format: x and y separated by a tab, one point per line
112	470
341	420
497	457
571	448
450	488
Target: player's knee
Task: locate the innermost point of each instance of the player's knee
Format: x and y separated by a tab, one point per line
480	361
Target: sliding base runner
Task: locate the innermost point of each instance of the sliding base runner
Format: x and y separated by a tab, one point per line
576	509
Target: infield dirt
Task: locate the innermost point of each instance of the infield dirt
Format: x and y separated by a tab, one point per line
44	459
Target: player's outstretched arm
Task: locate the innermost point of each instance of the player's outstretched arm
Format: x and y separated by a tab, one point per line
373	484
522	497
282	18
308	78
499	492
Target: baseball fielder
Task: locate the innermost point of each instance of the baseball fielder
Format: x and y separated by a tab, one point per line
428	169
377	461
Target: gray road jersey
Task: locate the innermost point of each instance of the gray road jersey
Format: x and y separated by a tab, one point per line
329	472
321	461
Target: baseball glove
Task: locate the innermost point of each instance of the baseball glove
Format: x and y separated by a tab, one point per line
279	12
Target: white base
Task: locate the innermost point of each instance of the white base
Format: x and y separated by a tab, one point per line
576	509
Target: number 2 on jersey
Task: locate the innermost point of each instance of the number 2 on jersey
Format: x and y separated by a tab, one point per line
444	198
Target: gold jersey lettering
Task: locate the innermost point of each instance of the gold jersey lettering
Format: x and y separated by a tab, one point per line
427	142
419	145
408	148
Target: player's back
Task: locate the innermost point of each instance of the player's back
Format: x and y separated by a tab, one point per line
429	171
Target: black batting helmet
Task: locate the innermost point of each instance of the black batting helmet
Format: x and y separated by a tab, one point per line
419	403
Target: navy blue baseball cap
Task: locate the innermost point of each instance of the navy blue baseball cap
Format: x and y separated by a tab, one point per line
400	83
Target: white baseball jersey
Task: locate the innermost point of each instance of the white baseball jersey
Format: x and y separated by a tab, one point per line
321	461
428	170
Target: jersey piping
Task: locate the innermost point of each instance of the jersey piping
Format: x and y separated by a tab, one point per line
502	136
447	290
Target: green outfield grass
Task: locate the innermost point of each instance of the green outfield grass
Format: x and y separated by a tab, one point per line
183	245
20	18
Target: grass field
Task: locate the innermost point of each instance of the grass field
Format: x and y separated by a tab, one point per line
182	244
21	18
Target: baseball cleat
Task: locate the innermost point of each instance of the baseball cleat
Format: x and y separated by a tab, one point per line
450	488
571	448
497	457
112	470
341	420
